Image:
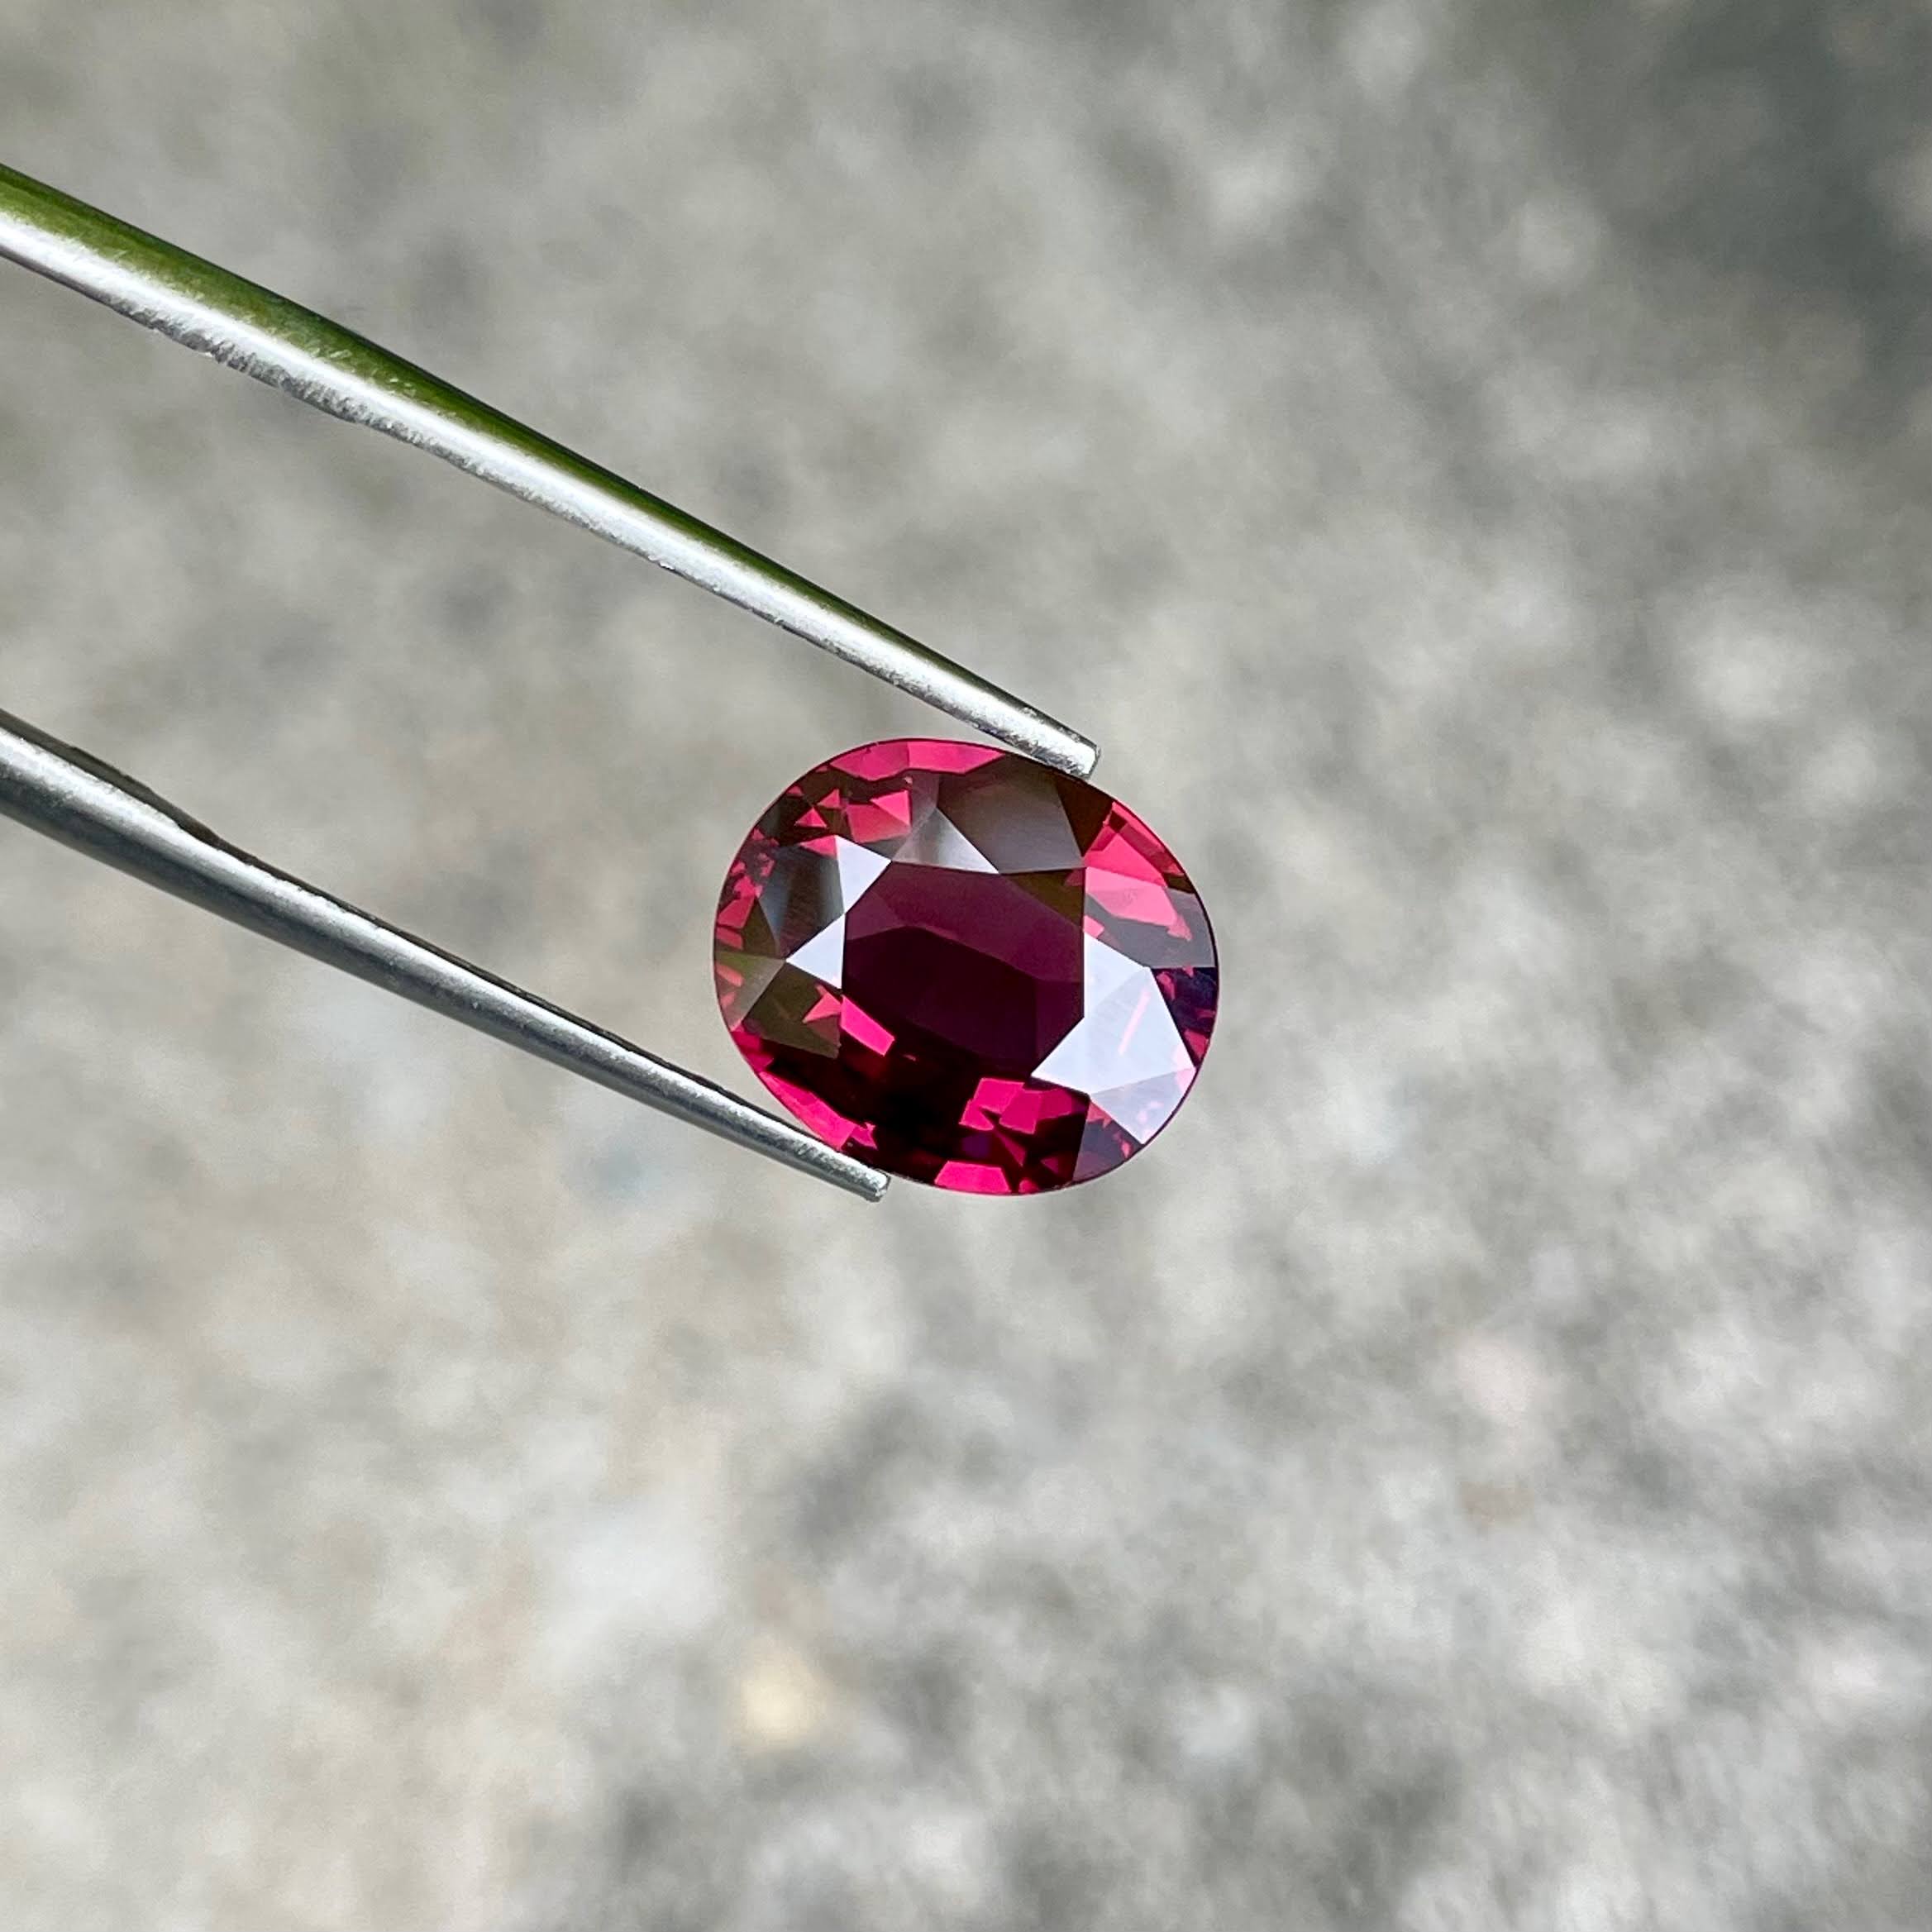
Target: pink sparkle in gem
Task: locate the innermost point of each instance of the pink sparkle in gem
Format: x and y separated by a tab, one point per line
860	1026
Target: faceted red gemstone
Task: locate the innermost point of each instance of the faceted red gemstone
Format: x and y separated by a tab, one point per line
966	968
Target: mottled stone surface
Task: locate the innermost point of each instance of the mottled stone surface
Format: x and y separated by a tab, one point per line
1494	1491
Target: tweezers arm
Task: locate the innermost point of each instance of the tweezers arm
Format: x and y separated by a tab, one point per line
280	343
84	803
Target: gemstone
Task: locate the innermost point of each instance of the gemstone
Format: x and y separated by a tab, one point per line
966	968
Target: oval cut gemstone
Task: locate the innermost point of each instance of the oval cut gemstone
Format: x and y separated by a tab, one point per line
966	968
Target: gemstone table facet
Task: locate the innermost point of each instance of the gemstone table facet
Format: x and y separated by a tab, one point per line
966	968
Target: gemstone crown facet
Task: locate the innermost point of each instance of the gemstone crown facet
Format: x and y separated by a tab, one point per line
966	968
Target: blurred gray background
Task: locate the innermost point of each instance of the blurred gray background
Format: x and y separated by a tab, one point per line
1467	461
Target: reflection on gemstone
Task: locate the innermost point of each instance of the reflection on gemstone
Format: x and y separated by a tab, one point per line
966	968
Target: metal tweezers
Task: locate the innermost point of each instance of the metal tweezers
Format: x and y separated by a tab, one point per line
87	804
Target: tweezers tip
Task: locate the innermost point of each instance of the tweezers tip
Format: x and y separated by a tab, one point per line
1064	749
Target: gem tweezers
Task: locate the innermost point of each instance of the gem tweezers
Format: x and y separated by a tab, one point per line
84	803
